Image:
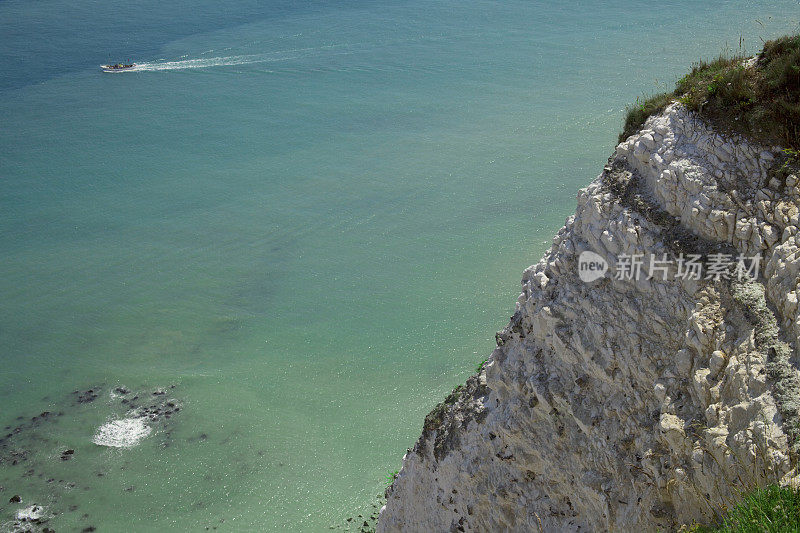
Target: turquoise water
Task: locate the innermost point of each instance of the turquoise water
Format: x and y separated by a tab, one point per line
308	218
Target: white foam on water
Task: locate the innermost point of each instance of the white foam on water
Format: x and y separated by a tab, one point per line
123	433
33	512
199	63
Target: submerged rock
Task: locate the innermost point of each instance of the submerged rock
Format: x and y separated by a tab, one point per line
87	396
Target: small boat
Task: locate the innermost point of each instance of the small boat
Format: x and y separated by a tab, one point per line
118	67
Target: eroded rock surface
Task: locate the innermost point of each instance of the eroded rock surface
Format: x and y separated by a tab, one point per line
628	404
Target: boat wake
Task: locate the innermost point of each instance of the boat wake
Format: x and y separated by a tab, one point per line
198	63
228	61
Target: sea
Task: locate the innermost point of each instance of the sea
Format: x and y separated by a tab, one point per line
234	279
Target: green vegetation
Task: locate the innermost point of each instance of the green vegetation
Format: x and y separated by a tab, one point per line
643	108
771	509
760	100
480	366
788	163
436	416
391	476
453	396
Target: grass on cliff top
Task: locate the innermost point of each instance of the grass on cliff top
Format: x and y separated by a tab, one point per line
761	101
772	509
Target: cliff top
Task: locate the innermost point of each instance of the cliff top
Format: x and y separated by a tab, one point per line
758	97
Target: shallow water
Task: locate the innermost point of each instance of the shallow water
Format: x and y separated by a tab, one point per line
310	219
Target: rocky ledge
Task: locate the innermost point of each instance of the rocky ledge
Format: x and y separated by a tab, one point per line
632	402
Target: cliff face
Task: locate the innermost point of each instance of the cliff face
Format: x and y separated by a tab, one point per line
623	404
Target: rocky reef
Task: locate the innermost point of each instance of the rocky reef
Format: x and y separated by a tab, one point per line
44	483
654	395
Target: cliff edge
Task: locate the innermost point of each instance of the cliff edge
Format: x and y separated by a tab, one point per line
648	376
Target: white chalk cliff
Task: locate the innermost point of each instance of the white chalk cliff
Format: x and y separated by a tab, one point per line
622	405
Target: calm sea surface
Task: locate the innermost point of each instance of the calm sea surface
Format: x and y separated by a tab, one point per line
302	221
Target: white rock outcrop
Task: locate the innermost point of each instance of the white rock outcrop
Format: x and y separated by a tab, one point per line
626	404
